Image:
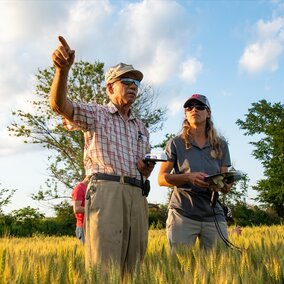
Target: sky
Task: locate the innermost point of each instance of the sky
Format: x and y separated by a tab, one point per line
230	51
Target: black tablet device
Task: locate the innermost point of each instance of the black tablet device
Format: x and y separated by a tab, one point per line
227	177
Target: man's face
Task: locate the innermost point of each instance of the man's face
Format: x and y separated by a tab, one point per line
124	91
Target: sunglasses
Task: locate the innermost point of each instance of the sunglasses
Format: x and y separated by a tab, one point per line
198	107
129	81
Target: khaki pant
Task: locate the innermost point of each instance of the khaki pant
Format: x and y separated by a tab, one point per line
183	230
116	225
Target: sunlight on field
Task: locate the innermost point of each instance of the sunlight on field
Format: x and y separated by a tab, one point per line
61	260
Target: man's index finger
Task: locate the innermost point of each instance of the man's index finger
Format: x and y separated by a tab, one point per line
63	42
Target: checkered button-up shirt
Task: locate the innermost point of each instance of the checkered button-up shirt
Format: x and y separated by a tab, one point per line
112	145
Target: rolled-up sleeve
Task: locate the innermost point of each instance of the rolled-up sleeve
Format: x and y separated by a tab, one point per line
84	116
226	159
171	151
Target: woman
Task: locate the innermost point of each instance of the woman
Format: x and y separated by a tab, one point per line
192	155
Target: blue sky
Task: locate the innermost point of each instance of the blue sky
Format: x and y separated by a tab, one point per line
230	51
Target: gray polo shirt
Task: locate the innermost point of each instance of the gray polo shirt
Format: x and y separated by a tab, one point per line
189	200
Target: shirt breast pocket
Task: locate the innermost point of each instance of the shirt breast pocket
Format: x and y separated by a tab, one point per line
141	144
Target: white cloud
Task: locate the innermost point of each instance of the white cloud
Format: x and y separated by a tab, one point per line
272	29
152	34
190	69
261	56
163	65
26	19
25	29
175	106
11	144
88	21
264	53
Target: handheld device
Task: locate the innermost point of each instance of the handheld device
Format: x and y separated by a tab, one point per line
220	179
151	158
159	157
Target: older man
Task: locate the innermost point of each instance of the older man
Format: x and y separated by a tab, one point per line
116	216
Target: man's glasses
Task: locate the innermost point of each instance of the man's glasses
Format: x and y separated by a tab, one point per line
198	107
129	81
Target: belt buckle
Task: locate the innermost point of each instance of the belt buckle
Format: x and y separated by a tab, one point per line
122	179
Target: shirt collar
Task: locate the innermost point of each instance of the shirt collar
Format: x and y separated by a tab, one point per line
205	145
113	109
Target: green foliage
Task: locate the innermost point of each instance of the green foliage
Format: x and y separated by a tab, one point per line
158	217
65	216
266	121
5	197
146	108
165	141
27	215
25	221
28	221
253	216
44	127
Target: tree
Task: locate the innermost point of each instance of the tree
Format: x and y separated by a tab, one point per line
65	216
246	215
5	197
157	216
65	162
163	144
267	121
25	221
27	215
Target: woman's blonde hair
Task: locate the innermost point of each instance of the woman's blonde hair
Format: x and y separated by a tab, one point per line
211	133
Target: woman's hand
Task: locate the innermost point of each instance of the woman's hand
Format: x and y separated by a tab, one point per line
224	187
197	179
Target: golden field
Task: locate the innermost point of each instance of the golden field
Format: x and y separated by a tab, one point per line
61	260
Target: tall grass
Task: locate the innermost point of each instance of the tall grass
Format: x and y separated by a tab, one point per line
61	260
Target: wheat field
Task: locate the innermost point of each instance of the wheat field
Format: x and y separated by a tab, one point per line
61	260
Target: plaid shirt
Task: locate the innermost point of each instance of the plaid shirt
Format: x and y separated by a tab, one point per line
112	145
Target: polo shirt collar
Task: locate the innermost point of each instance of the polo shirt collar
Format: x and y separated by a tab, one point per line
205	145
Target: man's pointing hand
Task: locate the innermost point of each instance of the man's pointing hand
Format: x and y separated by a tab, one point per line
63	57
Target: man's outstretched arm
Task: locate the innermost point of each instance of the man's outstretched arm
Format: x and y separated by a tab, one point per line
63	58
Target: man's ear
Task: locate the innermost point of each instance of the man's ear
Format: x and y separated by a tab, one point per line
110	88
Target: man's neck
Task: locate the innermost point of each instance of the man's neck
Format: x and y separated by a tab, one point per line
124	111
